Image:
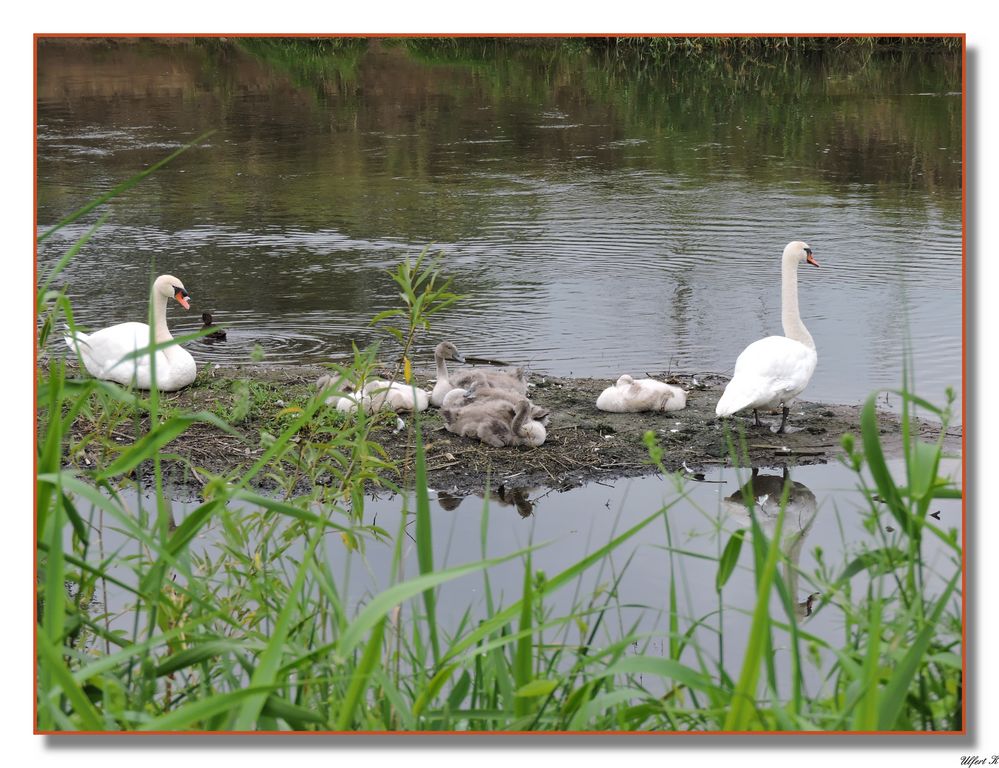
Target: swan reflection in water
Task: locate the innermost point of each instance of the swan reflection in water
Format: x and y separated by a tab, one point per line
764	493
504	495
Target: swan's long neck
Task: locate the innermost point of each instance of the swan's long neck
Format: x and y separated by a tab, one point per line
789	315
441	367
160	331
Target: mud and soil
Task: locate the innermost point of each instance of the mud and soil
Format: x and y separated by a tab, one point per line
583	444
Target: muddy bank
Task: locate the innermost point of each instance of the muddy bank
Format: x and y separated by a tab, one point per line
583	444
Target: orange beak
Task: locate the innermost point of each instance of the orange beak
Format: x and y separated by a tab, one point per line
182	299
811	261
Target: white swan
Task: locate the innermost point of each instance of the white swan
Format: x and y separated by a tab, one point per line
775	370
464	378
102	351
629	395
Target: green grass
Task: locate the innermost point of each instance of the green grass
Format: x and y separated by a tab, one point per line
260	629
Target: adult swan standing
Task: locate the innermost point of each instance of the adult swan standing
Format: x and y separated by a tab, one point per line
775	370
102	352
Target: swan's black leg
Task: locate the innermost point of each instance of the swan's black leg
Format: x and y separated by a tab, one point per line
783	420
756	416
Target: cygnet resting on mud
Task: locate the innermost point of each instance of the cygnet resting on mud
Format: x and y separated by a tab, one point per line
629	395
344	398
481	392
395	396
496	422
376	395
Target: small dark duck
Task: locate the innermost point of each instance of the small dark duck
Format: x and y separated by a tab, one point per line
216	335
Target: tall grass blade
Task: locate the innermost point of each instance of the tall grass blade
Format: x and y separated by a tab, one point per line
667	669
523	655
743	707
729	558
433	687
385	601
197	712
550	586
360	675
63	262
866	709
54	606
878	467
424	540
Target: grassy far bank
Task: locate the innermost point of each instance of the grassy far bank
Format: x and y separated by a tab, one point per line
261	633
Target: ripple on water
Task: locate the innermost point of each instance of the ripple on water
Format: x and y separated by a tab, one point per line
301	342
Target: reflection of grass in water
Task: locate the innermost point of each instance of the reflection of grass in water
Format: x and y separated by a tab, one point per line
772	104
757	97
664	50
309	61
752	45
264	634
712	65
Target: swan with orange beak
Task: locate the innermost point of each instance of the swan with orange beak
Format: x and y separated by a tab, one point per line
109	353
773	371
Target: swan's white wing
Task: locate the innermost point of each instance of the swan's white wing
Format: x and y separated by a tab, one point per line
103	353
635	394
778	359
653	395
103	356
769	372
